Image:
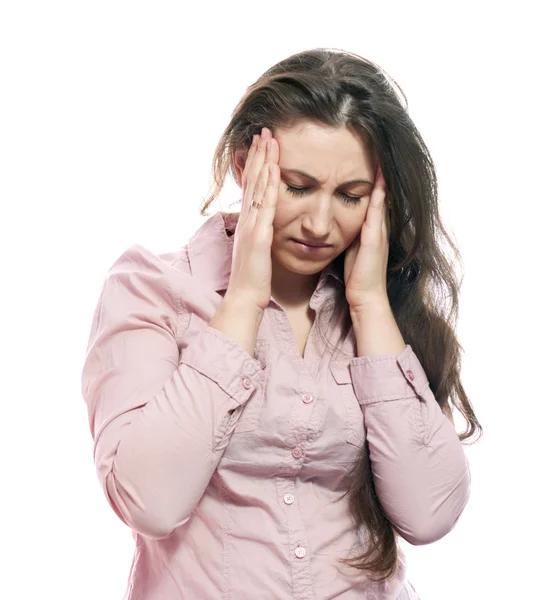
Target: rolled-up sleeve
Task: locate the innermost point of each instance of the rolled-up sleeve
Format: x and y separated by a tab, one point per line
160	418
420	471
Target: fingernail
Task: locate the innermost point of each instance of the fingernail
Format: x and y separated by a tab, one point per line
268	145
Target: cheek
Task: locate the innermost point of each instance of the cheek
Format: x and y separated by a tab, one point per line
284	212
350	228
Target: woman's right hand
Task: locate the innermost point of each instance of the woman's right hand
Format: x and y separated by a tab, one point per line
251	267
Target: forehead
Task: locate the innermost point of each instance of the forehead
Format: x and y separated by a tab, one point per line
307	145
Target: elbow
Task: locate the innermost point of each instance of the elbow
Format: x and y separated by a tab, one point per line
143	515
429	530
147	509
425	533
154	528
432	524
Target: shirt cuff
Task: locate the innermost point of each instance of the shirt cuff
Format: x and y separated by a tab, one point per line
387	377
224	361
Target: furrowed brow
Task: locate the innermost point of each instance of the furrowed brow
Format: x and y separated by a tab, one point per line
310	177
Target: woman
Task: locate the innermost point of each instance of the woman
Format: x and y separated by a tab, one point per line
269	404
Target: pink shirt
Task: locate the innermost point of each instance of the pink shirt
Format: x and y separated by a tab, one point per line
229	469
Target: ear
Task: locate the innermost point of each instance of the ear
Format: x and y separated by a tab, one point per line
239	162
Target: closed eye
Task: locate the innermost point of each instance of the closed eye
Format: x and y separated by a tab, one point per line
304	190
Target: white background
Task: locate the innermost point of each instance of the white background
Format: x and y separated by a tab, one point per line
109	116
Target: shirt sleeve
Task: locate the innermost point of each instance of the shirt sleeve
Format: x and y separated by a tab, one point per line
160	417
420	471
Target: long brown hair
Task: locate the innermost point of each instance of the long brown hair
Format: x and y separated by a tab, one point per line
341	89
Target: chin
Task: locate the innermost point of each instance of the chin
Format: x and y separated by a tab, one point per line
300	266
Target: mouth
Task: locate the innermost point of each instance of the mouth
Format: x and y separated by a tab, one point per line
310	245
303	246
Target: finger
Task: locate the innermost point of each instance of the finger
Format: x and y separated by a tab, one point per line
251	153
265	216
386	218
249	157
258	195
258	160
385	201
376	211
273	153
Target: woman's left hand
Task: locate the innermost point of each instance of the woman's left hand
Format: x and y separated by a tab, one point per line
366	259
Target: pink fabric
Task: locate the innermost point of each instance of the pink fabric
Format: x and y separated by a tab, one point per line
229	469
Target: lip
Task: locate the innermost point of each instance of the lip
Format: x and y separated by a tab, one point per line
310	245
309	249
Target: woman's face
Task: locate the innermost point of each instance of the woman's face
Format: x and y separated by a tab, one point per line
325	211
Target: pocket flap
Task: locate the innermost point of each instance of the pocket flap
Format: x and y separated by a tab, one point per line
341	372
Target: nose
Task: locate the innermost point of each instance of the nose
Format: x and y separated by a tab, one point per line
318	219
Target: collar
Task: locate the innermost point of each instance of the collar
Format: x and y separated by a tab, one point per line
210	251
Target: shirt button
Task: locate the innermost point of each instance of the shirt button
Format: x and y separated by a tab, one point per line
307	398
410	375
297	452
288	498
300	552
246	383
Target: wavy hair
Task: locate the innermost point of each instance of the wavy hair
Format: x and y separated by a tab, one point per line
342	89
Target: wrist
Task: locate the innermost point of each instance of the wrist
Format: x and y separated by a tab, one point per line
239	321
376	330
378	307
241	308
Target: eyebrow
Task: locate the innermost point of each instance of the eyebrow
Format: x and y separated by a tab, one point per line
352	182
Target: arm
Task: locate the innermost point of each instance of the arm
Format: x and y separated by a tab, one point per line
420	471
160	418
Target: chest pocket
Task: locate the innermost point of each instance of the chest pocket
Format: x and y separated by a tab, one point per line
355	420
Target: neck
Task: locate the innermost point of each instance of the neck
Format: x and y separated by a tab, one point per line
292	290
